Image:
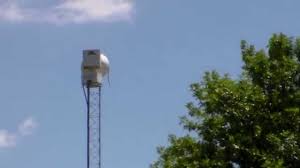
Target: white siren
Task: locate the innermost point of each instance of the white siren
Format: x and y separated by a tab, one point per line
94	67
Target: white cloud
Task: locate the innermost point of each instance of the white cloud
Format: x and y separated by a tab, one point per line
25	128
11	12
68	11
7	139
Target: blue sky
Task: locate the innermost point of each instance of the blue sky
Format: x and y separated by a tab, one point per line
156	49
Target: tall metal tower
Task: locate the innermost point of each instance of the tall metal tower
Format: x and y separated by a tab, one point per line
94	67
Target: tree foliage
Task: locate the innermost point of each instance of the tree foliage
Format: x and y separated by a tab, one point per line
250	122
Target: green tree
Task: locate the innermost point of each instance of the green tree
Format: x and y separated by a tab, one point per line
253	121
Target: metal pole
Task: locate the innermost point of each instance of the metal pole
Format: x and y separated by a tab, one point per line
93	99
100	131
88	124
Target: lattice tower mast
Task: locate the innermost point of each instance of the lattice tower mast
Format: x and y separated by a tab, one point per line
94	67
